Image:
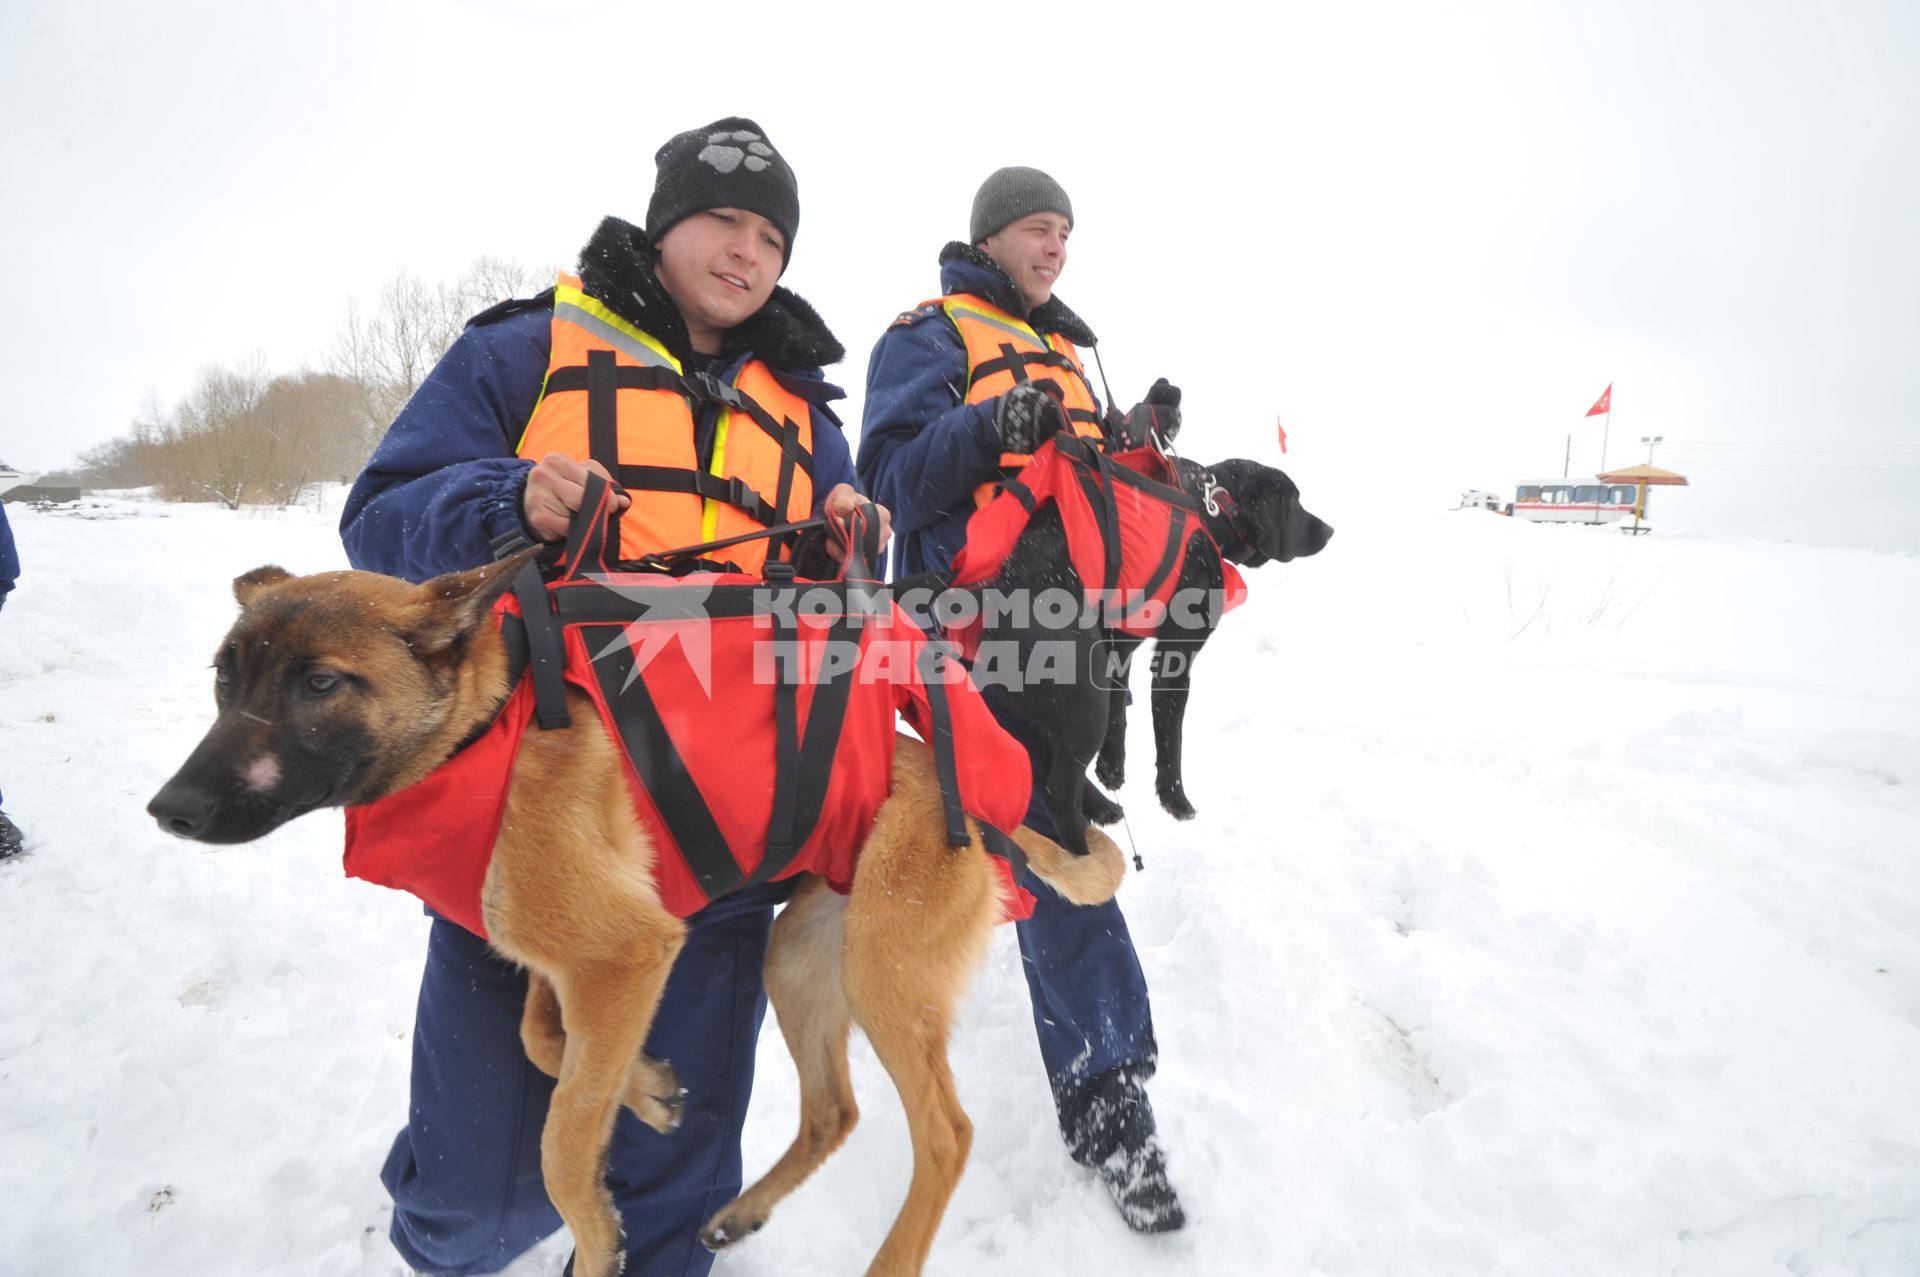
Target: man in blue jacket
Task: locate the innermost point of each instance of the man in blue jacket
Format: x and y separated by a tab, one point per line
696	286
930	437
11	839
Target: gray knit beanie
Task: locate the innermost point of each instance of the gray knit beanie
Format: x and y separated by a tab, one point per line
1011	194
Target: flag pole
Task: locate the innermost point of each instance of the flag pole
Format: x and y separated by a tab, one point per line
1603	409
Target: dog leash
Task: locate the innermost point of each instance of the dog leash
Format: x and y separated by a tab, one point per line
1139	865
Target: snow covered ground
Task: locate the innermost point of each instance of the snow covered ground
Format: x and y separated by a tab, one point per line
1553	908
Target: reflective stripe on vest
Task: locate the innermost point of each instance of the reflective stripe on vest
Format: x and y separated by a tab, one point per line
1002	352
614	394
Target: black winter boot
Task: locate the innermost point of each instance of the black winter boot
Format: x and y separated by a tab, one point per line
1137	1178
11	839
1108	1125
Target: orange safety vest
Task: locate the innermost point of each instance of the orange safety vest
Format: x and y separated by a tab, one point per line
613	394
1002	352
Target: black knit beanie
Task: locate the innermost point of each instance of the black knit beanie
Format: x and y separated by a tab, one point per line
1011	194
728	164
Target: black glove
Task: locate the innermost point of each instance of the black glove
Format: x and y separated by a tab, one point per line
1027	417
1158	413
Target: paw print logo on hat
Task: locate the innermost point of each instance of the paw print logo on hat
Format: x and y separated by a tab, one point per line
723	153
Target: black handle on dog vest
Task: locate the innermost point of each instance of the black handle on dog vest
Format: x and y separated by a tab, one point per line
546	644
546	650
862	533
590	529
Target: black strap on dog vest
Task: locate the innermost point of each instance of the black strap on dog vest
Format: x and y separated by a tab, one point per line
782	845
999	844
546	641
932	663
1093	472
661	769
803	768
513	635
1021	493
1170	556
1173	495
591	531
546	650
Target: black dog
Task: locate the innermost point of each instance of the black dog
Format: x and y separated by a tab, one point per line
1252	514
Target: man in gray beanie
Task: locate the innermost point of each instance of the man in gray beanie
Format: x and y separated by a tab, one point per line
960	391
494	451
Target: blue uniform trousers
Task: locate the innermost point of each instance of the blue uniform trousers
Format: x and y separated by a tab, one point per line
465	1171
1090	1005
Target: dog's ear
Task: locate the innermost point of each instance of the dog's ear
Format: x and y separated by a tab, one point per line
249	584
453	606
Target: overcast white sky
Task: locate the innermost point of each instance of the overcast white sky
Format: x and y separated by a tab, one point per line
1426	236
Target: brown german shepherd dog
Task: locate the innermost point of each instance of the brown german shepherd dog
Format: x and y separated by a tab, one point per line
340	688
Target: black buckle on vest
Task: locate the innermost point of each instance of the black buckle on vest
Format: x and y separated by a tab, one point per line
1076	446
508	544
710	388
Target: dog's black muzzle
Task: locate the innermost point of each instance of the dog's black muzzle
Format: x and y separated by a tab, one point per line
203	813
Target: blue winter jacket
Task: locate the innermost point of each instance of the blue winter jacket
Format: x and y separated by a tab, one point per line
9	557
445	482
923	449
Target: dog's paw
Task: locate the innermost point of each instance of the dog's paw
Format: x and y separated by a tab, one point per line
1174	799
655	1095
673	1109
723	1230
611	1264
1111	769
1098	808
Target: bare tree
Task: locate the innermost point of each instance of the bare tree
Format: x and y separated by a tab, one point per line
389	351
242	436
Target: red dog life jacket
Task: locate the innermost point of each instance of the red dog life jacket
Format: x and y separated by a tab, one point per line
1129	527
739	773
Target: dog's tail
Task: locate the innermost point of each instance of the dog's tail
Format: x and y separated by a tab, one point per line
1085	880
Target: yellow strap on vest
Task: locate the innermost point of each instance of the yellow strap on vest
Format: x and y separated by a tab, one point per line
575	306
990	314
710	512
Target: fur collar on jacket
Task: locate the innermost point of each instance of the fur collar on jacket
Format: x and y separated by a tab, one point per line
1050	316
616	267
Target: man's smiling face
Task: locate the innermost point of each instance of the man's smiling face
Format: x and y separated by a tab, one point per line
1033	252
720	266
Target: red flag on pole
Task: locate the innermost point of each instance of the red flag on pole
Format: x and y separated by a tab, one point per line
1283	434
1604	404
